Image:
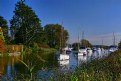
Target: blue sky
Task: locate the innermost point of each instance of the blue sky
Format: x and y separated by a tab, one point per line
94	17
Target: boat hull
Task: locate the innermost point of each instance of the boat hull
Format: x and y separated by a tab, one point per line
63	57
79	53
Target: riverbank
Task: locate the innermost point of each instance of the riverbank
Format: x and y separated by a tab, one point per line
105	69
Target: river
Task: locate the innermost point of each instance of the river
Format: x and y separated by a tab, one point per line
8	69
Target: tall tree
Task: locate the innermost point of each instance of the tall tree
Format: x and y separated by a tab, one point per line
57	36
85	43
4	26
76	46
25	25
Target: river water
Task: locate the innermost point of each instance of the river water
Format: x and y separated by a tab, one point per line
7	68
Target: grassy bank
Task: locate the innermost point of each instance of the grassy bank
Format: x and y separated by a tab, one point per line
108	69
47	50
105	69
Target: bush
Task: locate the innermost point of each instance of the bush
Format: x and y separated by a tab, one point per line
2	46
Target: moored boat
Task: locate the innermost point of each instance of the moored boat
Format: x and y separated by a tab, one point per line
62	55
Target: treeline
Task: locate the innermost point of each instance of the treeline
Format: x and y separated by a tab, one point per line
25	28
83	42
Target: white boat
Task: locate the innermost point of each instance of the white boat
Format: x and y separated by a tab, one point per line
112	48
89	52
82	51
67	49
61	55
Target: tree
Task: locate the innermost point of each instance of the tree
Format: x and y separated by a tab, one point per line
76	46
85	43
3	25
2	47
119	45
56	35
25	25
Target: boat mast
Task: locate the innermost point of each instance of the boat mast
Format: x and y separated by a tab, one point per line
113	38
102	42
61	36
78	40
82	38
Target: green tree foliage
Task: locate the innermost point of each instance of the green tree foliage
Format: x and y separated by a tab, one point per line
57	36
119	45
85	43
25	25
76	46
3	25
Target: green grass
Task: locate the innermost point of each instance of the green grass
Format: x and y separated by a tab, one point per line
4	55
108	69
48	50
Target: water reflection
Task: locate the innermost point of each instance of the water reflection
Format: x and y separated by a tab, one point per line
7	68
77	60
2	66
64	64
73	62
81	59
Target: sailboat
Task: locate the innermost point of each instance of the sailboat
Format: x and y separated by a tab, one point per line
62	55
81	50
68	48
113	47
